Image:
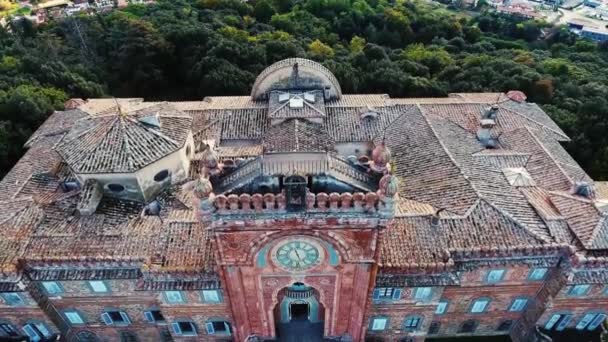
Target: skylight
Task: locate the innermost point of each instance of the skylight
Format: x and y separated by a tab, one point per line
296	102
518	176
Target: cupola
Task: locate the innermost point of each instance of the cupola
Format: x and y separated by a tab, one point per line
128	155
381	157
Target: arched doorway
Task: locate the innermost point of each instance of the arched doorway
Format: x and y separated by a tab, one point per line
299	315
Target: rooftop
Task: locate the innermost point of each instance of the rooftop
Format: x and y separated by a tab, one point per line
455	192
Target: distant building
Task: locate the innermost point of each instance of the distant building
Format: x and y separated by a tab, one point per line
592	3
598	35
299	209
519	10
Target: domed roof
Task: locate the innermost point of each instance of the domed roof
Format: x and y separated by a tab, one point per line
381	154
389	185
517	96
124	142
73	103
308	75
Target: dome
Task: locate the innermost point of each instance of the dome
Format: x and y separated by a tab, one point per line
73	103
389	185
517	96
381	156
296	73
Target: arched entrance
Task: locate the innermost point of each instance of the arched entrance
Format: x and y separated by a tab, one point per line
299	315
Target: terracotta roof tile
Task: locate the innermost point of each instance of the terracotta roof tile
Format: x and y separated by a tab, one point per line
122	143
297	135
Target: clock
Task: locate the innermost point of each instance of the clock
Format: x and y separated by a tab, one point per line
297	255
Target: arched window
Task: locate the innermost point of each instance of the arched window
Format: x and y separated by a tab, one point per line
378	323
479	305
468	326
505	325
8	330
434	327
558	321
115	317
295	192
36	331
218	327
128	336
185	327
518	304
161	176
412	323
86	336
590	321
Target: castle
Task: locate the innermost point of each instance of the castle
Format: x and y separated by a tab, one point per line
299	210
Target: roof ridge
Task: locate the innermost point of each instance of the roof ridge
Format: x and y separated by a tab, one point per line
448	153
600	225
536	122
542	146
125	141
152	130
516	221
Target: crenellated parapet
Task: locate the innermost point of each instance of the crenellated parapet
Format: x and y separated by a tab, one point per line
358	202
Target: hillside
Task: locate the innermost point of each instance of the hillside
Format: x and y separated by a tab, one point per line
183	49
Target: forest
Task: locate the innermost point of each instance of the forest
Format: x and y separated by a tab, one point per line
189	49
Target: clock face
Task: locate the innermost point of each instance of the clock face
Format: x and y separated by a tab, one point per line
297	255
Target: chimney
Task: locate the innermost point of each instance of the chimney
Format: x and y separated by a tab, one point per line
90	196
490	112
584	189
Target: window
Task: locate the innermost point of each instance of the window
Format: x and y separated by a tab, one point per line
36	331
212	296
412	323
495	276
86	336
537	273
480	305
154	316
578	290
434	327
184	328
468	326
162	175
73	317
116	187
218	328
423	293
590	321
8	330
128	336
558	322
505	325
52	288
115	317
174	297
518	304
387	293
378	323
442	307
98	286
12	299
